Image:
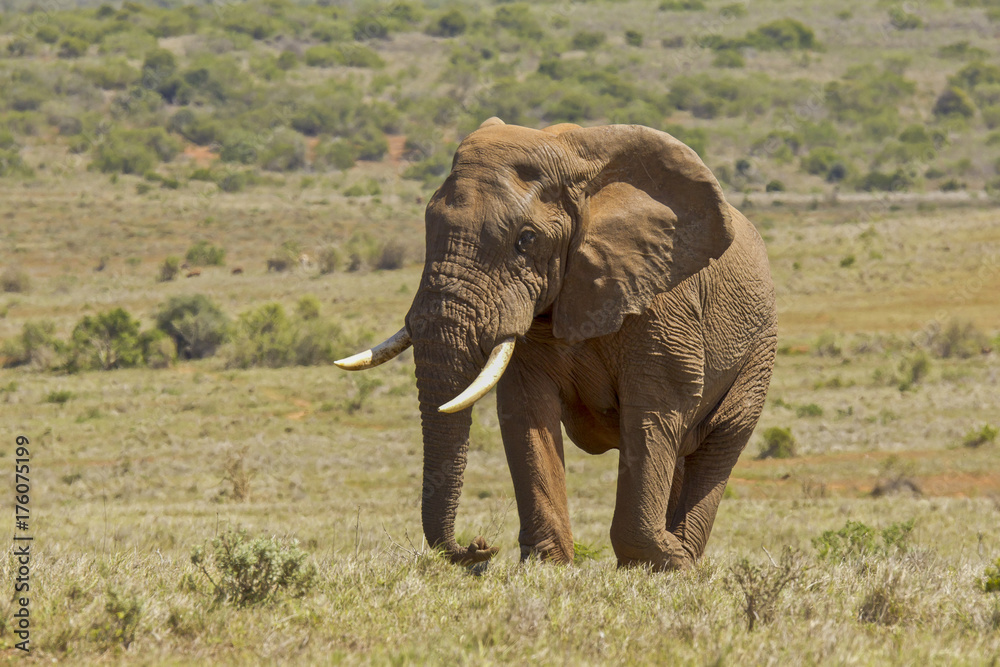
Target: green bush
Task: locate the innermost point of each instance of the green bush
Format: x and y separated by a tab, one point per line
903	20
48	33
857	540
284	151
268	337
991	578
779	443
105	341
37	346
368	187
14	280
198	129
451	23
823	161
134	151
114	73
784	35
729	58
196	325
982	436
954	102
518	19
975	74
245	572
877	181
204	253
72	47
169	269
682	6
59	397
587	40
335	154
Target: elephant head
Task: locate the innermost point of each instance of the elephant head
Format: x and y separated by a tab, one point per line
578	226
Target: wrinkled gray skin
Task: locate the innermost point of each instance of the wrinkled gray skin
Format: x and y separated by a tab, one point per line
644	314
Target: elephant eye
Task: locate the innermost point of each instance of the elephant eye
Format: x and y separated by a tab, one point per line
524	241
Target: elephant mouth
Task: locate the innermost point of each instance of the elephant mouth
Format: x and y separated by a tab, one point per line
396	344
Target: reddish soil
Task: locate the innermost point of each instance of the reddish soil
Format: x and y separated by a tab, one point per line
200	155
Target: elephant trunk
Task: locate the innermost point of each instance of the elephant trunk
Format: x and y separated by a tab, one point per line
444	367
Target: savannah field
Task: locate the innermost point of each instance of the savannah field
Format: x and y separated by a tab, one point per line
862	523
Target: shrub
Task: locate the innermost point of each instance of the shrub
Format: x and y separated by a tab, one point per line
106	341
587	40
158	349
204	253
761	587
991	578
783	34
821	161
682	6
14	280
774	186
250	572
913	370
233	181
449	24
336	154
121	619
170	268
779	443
72	47
729	58
195	324
983	436
878	181
903	20
810	410
59	397
857	540
368	187
954	102
267	337
328	260
392	257
37	346
134	151
882	604
960	339
633	38
12	164
285	151
518	19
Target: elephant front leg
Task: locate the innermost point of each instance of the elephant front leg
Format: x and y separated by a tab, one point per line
646	468
529	411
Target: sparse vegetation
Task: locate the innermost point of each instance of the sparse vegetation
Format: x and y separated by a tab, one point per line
985	435
779	443
245	571
857	540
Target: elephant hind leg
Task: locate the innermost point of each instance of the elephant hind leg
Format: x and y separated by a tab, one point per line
706	470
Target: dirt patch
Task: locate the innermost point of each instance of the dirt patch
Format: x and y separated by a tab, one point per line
202	156
396	145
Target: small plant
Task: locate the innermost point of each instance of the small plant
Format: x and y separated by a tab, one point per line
170	268
762	586
856	540
250	571
810	410
913	370
238	475
59	397
122	621
983	436
392	257
779	443
882	604
582	552
328	260
204	253
14	280
991	578
364	386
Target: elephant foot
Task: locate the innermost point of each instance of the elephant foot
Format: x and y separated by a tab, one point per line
661	555
477	552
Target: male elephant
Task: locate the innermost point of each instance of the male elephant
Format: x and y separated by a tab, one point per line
600	279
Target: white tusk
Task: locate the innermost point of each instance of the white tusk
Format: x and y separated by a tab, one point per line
489	376
379	354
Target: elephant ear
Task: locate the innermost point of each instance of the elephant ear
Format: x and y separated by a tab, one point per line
649	214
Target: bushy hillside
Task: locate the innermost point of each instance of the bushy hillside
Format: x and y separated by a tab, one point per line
775	95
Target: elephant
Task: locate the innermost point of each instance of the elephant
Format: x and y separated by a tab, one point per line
601	281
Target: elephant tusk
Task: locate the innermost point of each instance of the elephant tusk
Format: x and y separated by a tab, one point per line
379	354
489	376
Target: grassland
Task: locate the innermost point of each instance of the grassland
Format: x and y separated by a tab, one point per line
888	367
